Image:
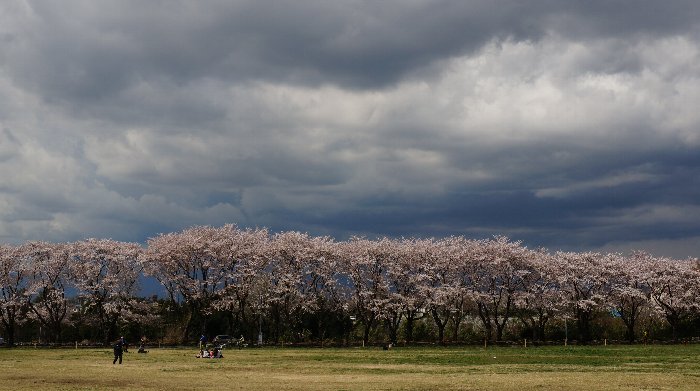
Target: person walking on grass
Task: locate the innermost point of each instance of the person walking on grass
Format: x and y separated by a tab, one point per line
118	351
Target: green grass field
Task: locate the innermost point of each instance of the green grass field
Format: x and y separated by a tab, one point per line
674	367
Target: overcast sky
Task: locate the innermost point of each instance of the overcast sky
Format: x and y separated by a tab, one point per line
567	124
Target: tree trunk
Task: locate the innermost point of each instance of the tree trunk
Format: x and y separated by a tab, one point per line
188	324
485	317
392	325
499	331
673	319
409	327
365	334
457	320
583	325
368	323
9	328
501	326
10	333
630	322
541	324
440	325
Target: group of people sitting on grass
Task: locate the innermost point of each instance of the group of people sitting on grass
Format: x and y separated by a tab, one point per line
206	353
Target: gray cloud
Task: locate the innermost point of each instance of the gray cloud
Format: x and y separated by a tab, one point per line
570	125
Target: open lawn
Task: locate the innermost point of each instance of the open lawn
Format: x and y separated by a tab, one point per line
675	367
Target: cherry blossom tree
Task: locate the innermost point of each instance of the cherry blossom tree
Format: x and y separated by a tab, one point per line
193	266
324	294
628	293
406	275
540	299
14	277
499	269
303	278
245	294
48	280
461	253
442	290
365	262
582	280
674	289
105	272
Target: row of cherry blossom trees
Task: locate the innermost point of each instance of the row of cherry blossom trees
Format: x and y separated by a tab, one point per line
292	284
46	283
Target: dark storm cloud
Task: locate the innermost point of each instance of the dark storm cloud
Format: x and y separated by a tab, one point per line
565	124
614	18
98	49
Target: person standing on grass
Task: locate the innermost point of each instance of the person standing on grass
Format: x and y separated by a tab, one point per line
118	351
202	342
125	346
